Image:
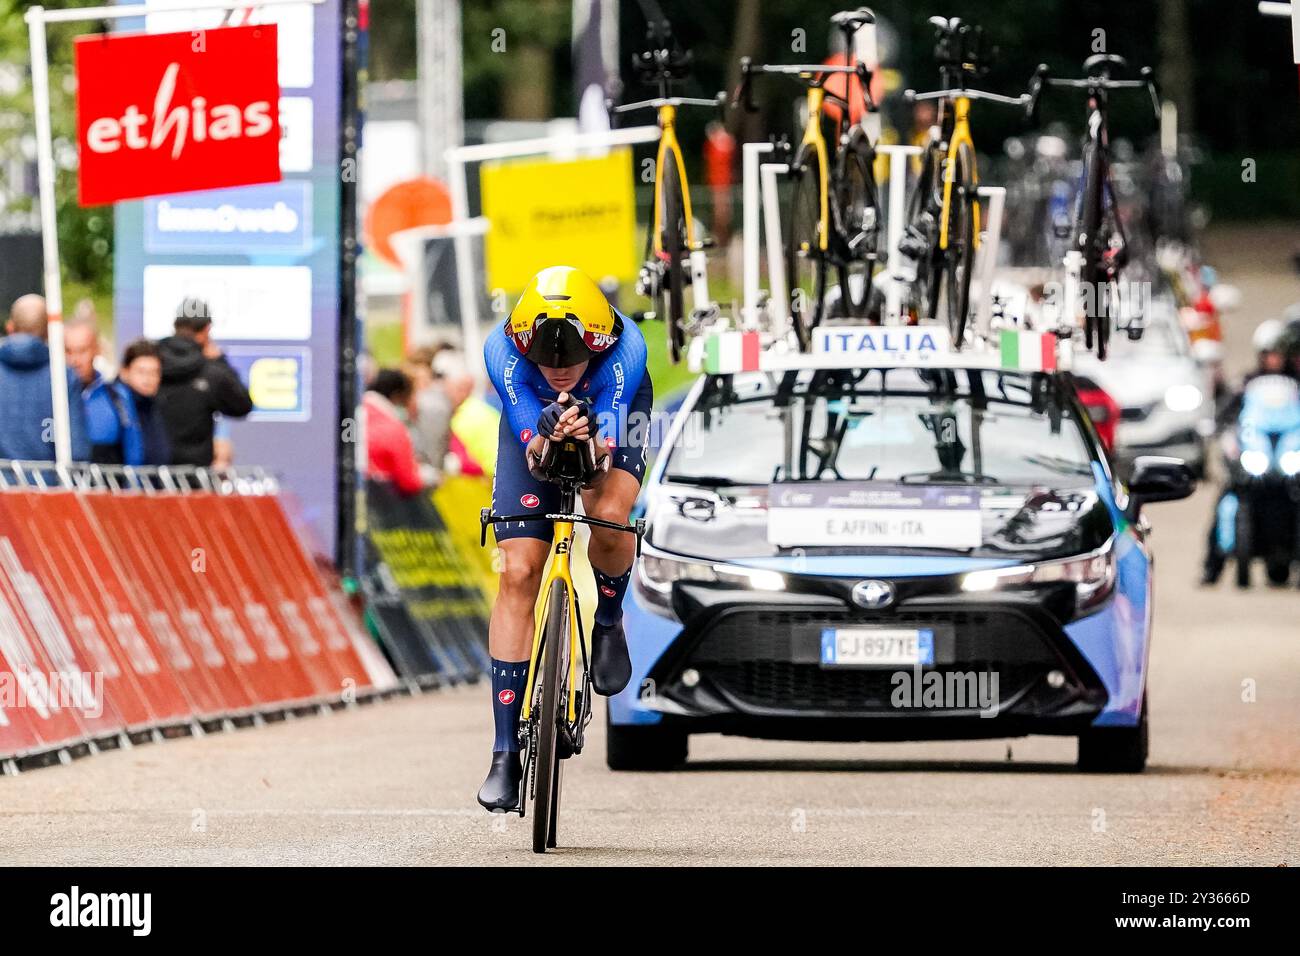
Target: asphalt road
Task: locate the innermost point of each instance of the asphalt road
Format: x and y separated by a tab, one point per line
394	783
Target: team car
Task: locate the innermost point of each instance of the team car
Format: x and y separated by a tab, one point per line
886	540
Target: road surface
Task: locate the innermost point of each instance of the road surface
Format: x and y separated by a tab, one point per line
394	783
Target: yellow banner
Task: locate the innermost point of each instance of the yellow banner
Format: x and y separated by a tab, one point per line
580	213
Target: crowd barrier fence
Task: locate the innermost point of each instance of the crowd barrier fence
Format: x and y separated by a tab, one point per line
135	603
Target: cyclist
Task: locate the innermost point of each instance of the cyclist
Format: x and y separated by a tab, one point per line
563	341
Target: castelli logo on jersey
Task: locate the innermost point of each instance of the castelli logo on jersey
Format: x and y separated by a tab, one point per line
530	501
506	697
526	435
606	590
196	121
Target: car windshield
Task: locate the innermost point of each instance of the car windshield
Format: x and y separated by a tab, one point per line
941	426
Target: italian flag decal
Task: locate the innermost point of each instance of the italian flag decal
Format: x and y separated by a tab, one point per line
727	352
1029	351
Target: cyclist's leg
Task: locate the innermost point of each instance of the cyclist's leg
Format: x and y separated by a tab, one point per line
521	557
611	552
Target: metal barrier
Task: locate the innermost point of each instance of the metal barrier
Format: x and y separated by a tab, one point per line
136	602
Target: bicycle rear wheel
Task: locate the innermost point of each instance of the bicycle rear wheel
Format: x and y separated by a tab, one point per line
858	214
672	235
959	259
1088	241
555	661
806	260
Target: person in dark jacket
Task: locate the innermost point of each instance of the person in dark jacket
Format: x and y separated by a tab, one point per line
122	417
197	382
26	407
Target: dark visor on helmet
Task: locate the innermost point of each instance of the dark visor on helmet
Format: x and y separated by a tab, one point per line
557	343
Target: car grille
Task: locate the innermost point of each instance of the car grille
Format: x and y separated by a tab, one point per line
770	659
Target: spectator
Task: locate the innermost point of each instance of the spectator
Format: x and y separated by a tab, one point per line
447	382
223	446
388	444
122	417
26	407
81	345
197	383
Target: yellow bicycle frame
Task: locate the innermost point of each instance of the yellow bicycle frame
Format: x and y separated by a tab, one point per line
561	547
668	144
960	134
812	136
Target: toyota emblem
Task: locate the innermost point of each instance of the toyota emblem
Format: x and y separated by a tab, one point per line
873	594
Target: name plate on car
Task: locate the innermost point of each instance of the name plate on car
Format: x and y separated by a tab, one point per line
871	513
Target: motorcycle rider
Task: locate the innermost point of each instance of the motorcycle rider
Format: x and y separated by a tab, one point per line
1269	360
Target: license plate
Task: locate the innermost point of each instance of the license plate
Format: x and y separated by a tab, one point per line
876	646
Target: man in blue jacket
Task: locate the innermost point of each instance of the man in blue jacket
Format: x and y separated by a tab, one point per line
123	419
27	416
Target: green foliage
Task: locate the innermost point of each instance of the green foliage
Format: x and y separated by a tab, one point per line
85	235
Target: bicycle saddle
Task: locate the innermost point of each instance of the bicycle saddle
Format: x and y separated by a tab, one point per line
1101	64
853	19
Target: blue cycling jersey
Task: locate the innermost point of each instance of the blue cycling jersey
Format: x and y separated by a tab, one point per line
611	380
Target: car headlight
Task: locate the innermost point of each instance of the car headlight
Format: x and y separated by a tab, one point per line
657	571
1092	574
1254	462
1290	462
1183	398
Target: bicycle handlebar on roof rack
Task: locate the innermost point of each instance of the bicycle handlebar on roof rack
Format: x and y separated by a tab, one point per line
1096	82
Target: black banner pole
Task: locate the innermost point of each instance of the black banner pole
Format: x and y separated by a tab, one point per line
349	329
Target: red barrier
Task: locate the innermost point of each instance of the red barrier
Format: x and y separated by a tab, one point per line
212	679
177	606
43	666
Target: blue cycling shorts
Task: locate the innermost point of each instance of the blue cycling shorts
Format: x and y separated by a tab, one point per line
516	491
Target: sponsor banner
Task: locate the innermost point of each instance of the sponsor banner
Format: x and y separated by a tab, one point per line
272	219
295	134
278	379
277	286
581	213
868	514
416	558
246	302
295	26
173	112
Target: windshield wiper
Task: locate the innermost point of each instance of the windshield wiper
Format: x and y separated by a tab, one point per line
707	481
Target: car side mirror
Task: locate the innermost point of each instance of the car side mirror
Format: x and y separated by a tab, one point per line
1156	478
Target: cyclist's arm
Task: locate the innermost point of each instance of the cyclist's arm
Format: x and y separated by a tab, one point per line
618	379
515	379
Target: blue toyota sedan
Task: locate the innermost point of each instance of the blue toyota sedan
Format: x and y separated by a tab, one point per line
900	552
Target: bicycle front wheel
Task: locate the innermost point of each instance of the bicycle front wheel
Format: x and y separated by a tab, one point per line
555	662
672	237
806	260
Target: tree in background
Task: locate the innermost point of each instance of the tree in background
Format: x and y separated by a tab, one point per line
85	235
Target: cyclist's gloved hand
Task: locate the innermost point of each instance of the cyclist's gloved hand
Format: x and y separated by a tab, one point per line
549	421
553	418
